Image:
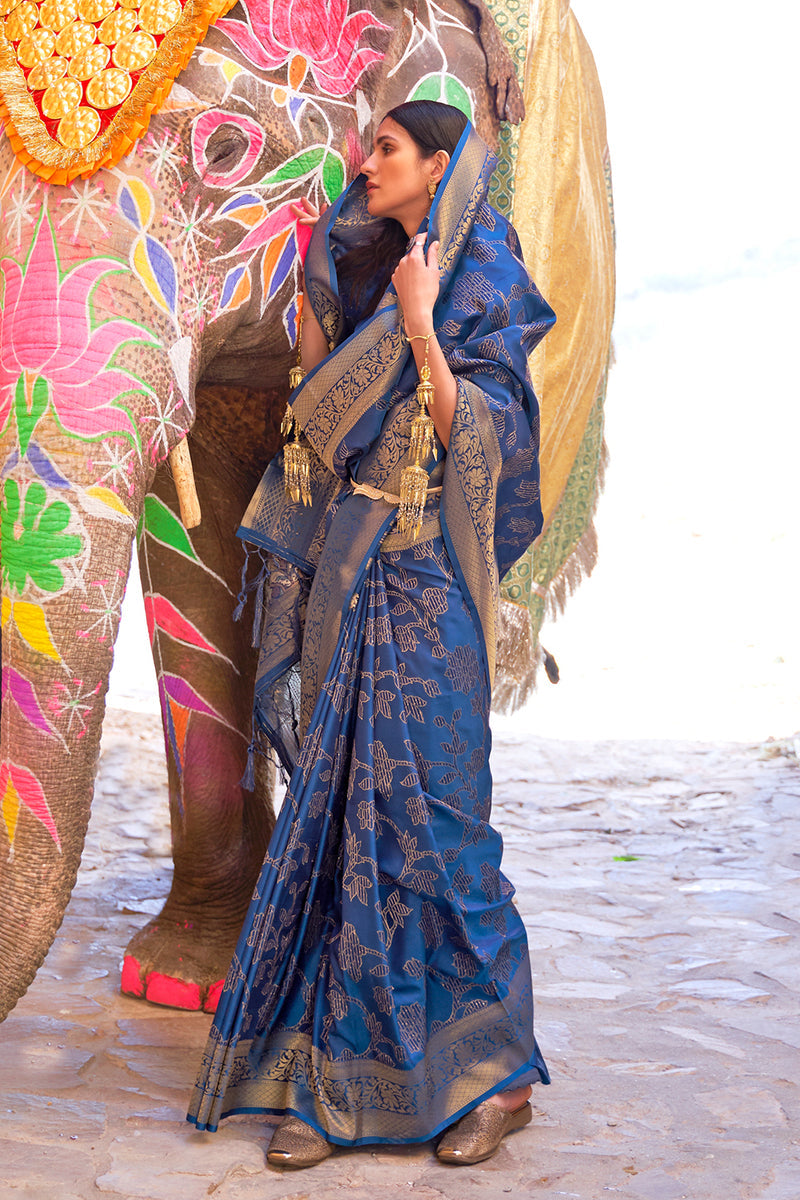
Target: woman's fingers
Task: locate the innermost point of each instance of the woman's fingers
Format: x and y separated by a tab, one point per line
306	212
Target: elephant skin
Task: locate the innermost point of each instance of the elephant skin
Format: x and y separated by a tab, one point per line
153	300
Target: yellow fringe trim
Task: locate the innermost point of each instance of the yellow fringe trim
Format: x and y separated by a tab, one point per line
45	157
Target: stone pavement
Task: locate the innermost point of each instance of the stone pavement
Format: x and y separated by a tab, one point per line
659	884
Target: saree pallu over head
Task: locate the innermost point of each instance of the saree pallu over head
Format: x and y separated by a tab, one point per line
356	408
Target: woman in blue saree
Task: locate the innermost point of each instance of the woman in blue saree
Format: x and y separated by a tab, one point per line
381	987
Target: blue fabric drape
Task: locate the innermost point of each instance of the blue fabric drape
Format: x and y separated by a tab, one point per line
381	985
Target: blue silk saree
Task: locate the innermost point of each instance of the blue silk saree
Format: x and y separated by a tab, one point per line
381	986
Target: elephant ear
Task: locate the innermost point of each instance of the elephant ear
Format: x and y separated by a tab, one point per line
69	107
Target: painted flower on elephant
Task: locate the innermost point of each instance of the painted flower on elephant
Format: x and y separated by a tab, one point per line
34	538
54	356
308	34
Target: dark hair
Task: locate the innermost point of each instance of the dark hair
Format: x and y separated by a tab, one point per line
431	126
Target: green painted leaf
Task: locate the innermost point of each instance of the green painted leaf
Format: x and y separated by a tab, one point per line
333	175
429	88
456	94
297	166
445	88
27	418
626	858
162	524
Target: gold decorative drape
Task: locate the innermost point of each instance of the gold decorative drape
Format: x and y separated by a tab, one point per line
554	184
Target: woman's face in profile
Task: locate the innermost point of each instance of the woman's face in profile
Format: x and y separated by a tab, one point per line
397	177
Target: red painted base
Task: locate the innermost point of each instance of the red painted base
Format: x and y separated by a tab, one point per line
162	989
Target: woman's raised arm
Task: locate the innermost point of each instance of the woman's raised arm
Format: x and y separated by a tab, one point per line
416	281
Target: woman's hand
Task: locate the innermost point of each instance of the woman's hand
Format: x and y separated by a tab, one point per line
306	212
416	281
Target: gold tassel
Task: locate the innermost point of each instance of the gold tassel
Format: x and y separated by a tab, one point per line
297	468
296	455
414	479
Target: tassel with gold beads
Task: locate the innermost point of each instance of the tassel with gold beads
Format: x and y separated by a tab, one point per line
414	479
296	455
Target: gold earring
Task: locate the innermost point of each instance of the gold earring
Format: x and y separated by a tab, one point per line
431	189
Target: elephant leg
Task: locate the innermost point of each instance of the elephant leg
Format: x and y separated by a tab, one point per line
205	668
65	559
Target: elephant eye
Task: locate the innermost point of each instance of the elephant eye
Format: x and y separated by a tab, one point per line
226	146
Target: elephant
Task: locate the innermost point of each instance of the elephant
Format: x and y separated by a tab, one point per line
150	299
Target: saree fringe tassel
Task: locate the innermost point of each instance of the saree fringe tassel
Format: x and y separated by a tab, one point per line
414	479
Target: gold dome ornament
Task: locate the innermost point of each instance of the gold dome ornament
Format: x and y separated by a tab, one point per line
56	14
78	128
89	62
22	21
47	73
296	454
36	47
108	88
135	50
116	26
62	98
414	479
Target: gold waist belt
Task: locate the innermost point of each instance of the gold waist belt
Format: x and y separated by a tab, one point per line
366	489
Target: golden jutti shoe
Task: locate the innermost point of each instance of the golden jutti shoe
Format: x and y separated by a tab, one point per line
295	1144
479	1133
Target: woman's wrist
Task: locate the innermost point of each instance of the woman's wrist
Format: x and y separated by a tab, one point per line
418	326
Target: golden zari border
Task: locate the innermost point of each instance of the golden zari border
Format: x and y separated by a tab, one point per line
27	132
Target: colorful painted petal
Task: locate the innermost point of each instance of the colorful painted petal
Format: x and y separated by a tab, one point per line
160	612
183	693
236	290
296	167
333	175
19	689
30	401
276	263
18	786
281	218
45	468
262	50
109	499
163	526
30	621
136	202
156	269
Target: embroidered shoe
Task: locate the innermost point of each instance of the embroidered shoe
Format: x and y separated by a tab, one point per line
295	1144
479	1133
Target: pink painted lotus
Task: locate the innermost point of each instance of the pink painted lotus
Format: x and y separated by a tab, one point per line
73	360
315	34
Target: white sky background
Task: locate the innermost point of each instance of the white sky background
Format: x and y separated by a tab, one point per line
689	627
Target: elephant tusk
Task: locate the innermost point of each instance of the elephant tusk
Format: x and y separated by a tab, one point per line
181	462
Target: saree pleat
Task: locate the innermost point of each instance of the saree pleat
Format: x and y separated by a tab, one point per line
383	986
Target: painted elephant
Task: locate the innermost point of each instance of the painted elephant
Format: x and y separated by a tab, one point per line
155	297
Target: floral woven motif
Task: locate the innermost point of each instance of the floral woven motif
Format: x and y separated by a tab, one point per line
79	79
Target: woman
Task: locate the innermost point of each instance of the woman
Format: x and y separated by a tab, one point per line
380	991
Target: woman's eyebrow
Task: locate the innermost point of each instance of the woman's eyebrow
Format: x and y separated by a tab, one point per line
384	137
